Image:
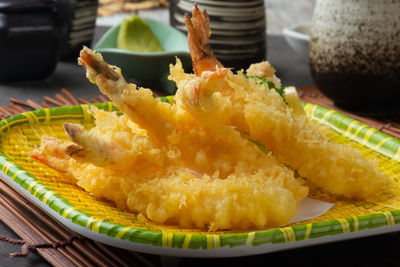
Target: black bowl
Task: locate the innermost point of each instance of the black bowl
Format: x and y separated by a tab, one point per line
30	34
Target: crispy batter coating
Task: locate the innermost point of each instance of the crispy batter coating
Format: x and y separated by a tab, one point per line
259	192
264	69
174	169
258	110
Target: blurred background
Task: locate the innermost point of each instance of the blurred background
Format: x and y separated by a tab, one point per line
283	13
280	13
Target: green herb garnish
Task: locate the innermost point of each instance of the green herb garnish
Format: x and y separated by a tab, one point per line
168	99
271	85
259	145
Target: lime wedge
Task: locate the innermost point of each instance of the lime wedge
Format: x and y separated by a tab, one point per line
293	101
135	35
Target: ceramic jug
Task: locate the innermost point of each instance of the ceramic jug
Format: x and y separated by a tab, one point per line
355	53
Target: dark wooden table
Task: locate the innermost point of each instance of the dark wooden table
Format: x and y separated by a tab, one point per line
293	69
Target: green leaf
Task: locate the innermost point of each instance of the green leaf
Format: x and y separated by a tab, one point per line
135	35
271	85
259	145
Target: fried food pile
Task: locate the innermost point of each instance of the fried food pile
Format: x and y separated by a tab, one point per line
222	156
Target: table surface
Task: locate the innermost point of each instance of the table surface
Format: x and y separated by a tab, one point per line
293	70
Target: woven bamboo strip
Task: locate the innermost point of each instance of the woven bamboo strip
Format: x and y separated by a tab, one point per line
17	107
105	257
52	101
83	101
63	100
45	105
47	236
18	102
140	259
5	112
70	96
110	254
33	104
98	254
12	110
20	200
52	224
30	235
103	98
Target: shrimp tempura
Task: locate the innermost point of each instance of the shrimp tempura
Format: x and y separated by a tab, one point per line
172	168
165	191
255	104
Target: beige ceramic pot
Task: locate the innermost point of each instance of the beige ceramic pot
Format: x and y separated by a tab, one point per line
355	53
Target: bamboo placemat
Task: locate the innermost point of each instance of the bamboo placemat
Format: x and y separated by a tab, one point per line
110	7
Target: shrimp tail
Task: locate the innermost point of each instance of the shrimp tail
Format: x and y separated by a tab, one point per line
198	39
88	148
60	165
138	104
98	71
90	61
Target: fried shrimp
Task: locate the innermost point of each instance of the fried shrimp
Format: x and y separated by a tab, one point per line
115	143
261	112
202	149
52	154
164	190
178	171
255	105
126	96
176	195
